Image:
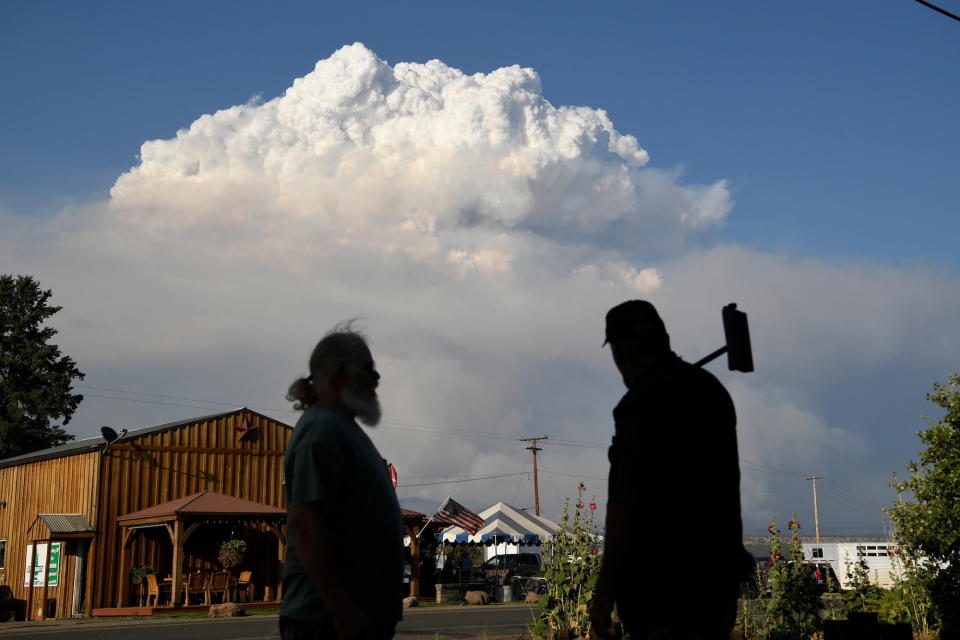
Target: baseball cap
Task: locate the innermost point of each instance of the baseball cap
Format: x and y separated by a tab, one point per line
632	321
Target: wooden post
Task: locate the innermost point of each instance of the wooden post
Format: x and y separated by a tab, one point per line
415	562
126	564
46	580
87	572
282	557
33	556
177	562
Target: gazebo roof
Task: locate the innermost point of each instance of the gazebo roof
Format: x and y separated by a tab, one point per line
204	504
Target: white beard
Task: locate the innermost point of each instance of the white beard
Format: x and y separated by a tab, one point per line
364	404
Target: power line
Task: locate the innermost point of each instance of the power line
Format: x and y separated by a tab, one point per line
938	9
167	404
428	484
394	425
573	475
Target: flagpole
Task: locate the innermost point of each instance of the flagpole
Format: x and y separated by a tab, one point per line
440	508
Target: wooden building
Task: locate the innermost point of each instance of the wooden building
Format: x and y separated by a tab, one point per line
85	513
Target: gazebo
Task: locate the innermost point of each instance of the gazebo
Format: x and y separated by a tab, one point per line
182	517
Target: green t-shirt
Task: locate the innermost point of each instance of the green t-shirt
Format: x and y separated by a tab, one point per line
332	463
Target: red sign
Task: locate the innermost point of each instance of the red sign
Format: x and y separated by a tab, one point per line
392	470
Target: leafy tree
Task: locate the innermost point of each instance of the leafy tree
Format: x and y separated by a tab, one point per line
861	594
35	378
929	525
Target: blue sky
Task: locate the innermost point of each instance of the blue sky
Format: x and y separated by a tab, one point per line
834	122
829	128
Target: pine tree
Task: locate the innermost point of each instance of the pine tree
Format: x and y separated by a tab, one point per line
35	379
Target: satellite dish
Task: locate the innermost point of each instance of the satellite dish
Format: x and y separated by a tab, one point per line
110	434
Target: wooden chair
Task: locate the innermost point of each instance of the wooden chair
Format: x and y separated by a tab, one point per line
244	586
153	589
219	583
196	584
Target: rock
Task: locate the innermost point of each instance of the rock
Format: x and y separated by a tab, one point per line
477	597
410	602
533	597
227	610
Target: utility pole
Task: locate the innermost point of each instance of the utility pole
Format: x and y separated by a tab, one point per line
816	509
533	448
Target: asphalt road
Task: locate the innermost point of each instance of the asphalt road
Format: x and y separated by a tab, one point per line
418	624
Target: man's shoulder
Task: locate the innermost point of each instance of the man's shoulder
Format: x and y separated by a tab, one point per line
319	423
676	377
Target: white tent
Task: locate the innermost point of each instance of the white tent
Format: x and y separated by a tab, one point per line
505	529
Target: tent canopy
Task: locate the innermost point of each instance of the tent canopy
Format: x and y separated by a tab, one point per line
503	523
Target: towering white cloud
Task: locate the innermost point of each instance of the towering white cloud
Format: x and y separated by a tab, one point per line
421	149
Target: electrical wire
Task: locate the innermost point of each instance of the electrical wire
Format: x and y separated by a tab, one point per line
516	492
573	475
447	431
938	9
427	484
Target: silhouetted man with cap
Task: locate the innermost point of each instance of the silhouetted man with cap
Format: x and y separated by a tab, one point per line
673	552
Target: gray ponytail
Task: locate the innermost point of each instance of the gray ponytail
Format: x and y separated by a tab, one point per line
302	394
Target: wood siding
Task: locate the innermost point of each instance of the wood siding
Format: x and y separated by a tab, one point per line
60	485
135	473
165	465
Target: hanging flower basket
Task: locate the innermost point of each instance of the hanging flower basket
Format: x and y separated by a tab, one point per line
231	553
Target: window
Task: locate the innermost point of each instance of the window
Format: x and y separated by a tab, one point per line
3	554
817	552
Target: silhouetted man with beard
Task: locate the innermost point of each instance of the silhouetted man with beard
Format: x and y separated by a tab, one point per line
673	551
344	566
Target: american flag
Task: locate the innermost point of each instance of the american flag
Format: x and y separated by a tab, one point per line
455	513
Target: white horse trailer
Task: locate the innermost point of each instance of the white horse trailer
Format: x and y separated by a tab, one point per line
883	566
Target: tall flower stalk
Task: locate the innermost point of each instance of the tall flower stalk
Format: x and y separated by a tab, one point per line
793	611
571	565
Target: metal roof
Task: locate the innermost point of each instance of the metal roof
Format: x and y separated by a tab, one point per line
92	444
206	503
66	522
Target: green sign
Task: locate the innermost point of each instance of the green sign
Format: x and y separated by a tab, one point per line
39	559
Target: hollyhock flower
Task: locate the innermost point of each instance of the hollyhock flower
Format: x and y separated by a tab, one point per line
593	506
579	505
778	555
771	529
790	525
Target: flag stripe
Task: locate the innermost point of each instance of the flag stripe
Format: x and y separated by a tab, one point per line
455	513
